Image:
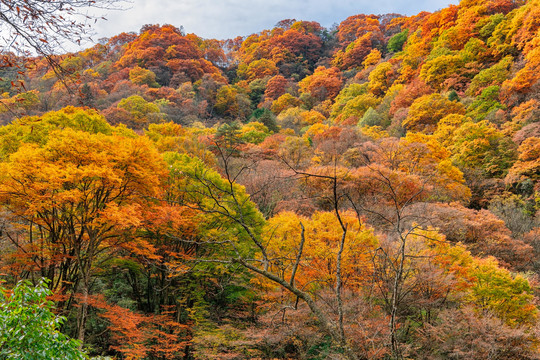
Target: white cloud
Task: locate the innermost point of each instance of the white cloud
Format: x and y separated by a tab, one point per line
229	18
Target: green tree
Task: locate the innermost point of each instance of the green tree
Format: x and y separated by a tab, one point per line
485	104
395	44
371	118
29	328
267	118
482	146
507	296
494	75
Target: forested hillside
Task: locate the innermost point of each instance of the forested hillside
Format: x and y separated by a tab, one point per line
369	191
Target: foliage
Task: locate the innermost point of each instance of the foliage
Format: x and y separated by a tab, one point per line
370	118
506	296
464	332
426	111
37	130
168	48
481	145
137	336
494	75
258	69
231	103
210	192
284	102
380	78
527	164
368	191
395	43
267	118
322	236
324	83
353	109
436	71
485	104
29	328
138	107
141	76
44	27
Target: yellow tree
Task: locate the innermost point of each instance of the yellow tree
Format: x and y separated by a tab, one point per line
313	266
426	111
79	194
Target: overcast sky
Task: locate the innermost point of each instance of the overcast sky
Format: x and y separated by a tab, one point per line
223	19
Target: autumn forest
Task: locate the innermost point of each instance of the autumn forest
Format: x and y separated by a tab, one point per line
366	191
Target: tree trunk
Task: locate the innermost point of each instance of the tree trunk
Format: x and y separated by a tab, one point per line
83	311
396	293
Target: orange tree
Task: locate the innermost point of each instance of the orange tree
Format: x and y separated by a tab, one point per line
77	193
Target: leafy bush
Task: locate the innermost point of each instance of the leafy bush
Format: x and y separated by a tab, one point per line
29	328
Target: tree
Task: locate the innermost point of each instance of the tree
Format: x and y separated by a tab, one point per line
426	111
78	195
354	54
43	27
37	129
505	295
275	87
294	253
231	103
294	50
494	75
141	76
224	202
284	102
324	83
257	69
140	336
435	71
267	118
373	58
168	52
393	175
352	103
29	327
137	106
486	103
371	118
481	231
357	26
528	164
481	145
254	132
408	94
395	43
381	78
464	333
